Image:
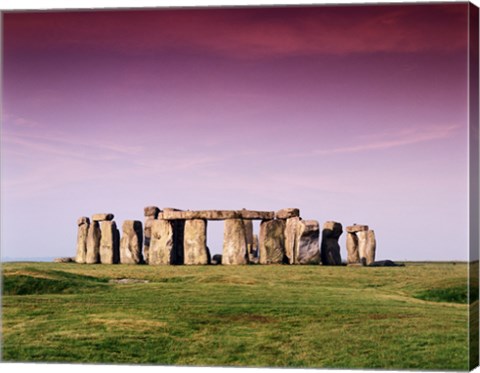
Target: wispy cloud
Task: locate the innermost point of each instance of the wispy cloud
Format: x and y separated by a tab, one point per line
388	140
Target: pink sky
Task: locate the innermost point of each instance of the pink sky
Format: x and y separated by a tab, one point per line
351	113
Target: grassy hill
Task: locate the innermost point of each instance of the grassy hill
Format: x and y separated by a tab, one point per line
412	317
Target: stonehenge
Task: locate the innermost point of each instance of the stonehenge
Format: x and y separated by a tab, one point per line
361	245
171	236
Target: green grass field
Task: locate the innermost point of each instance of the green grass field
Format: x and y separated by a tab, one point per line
413	317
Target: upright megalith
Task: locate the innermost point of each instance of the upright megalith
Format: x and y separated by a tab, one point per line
161	244
330	249
291	239
272	242
109	243
252	244
131	242
234	242
195	242
308	242
371	247
93	243
150	213
83	223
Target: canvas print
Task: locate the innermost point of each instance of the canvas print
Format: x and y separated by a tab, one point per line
255	186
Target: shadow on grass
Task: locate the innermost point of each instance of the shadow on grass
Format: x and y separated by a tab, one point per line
455	294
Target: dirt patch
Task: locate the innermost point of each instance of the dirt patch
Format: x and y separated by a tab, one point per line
128	281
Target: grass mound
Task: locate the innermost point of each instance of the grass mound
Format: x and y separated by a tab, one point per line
454	294
51	282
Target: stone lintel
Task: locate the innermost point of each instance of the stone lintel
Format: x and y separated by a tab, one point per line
287	213
102	217
216	215
356	228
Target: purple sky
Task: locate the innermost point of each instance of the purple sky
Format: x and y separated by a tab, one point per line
351	113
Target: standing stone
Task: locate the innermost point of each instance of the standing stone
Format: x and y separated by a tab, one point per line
131	242
362	237
109	244
330	249
272	242
150	213
308	242
93	243
352	249
195	242
371	247
178	238
234	242
250	239
83	224
291	239
161	244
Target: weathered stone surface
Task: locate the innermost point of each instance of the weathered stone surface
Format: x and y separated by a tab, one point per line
352	249
83	220
291	239
195	242
234	242
252	245
102	217
109	243
82	233
147	233
161	244
330	249
93	243
272	242
371	247
362	237
151	211
287	213
131	242
308	242
170	214
64	260
356	228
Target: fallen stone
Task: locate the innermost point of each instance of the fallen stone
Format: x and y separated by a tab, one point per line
102	217
234	243
170	214
272	242
109	243
356	228
371	247
131	242
64	260
308	242
195	242
352	249
82	233
385	263
128	281
217	259
151	211
330	249
291	239
287	213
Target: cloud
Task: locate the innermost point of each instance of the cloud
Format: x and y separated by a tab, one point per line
392	139
245	32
